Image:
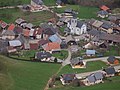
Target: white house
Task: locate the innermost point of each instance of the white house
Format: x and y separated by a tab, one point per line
76	27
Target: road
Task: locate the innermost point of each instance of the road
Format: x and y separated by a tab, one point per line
83	75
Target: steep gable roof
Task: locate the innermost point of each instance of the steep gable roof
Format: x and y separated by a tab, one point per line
105	8
3	24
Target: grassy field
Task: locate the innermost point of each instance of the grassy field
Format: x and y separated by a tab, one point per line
10	15
91	66
21	75
83	11
61	55
108	85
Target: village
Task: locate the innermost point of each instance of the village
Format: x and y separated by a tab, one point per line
65	39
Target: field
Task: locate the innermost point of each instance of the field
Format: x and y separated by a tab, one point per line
10	15
83	12
21	75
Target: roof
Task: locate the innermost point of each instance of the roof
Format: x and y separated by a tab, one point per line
29	25
26	32
98	75
55	38
37	31
31	32
21	38
113	17
68	77
15	43
18	30
106	26
19	21
69	38
3	24
80	24
110	70
42	42
68	10
75	61
90	52
97	23
39	2
102	12
42	55
111	59
105	8
8	32
51	46
91	78
11	27
58	1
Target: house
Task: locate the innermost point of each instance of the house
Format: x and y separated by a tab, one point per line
8	34
48	31
34	44
90	52
19	21
43	42
36	5
97	24
107	27
11	49
62	21
104	7
3	24
15	43
3	46
11	27
102	14
38	33
115	19
51	46
66	79
113	60
94	78
70	40
29	26
77	27
26	32
55	38
110	71
89	45
77	63
43	56
18	30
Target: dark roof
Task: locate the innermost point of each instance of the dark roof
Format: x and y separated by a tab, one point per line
113	18
98	75
68	77
102	12
111	59
21	38
42	55
76	61
8	32
68	10
110	70
58	1
91	78
39	2
42	42
18	30
79	24
106	26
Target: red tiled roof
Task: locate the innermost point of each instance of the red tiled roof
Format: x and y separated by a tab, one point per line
3	24
51	46
34	46
26	32
11	27
105	8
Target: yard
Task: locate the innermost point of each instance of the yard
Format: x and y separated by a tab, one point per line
10	15
109	85
91	66
22	75
83	11
61	55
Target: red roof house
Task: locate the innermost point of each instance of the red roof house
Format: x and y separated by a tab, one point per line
11	27
26	32
3	24
51	46
105	8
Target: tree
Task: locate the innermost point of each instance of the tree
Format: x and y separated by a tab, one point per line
55	60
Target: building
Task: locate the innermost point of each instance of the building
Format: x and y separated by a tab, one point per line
112	60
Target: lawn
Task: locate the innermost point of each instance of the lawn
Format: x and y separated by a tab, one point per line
91	66
84	12
10	15
22	75
61	55
113	85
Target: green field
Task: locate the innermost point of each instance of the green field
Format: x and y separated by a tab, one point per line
84	12
21	75
10	15
91	66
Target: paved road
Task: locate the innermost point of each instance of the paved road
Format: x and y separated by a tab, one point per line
83	75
